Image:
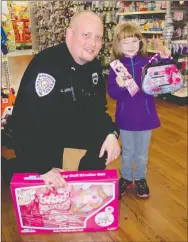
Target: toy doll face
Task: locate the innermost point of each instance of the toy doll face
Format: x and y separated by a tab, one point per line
130	46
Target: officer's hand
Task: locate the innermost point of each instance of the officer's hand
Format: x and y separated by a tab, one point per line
111	146
53	177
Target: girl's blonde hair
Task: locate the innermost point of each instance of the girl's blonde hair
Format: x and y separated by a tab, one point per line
125	30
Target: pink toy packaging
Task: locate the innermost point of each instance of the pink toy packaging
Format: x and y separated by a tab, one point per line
89	202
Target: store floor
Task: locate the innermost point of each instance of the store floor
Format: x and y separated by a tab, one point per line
161	218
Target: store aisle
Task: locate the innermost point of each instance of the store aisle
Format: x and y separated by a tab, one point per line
17	65
161	218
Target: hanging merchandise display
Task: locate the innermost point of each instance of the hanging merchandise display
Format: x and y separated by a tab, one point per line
8	28
51	19
107	10
21	23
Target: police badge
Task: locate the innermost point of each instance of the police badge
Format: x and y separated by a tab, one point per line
95	78
44	84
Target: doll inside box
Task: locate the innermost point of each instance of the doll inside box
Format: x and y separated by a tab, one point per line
64	207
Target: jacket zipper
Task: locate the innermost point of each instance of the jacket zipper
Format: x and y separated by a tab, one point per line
147	107
72	88
132	64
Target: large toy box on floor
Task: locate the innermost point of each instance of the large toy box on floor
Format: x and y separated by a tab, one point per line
89	202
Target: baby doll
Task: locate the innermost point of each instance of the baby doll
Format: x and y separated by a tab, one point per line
90	197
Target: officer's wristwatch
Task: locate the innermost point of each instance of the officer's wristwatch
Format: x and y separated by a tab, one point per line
115	133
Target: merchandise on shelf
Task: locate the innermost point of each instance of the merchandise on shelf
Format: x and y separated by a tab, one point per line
8	28
141	6
21	23
52	18
179	47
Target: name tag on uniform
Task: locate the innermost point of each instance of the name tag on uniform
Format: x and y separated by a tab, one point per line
95	78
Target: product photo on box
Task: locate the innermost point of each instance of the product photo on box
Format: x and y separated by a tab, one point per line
88	202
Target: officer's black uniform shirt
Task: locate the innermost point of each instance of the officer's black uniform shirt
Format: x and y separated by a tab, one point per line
76	104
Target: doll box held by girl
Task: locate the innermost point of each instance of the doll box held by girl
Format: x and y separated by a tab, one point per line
89	202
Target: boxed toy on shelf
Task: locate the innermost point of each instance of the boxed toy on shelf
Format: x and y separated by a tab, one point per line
21	24
89	202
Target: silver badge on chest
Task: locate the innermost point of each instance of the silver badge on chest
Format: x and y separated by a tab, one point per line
44	84
95	78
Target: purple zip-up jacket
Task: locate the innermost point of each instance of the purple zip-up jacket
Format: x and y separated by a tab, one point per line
133	113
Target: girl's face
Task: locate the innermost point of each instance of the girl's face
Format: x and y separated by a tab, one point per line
130	46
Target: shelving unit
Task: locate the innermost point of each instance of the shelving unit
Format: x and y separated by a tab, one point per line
180	39
184	41
179	48
151	51
149	31
152	32
141	12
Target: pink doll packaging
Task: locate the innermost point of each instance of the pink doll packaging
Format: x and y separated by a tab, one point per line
89	202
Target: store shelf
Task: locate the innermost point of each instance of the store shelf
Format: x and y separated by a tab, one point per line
183	41
152	51
143	12
151	32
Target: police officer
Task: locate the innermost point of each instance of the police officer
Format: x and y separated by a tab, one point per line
61	103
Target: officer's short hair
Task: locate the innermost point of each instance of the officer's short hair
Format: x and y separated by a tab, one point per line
78	14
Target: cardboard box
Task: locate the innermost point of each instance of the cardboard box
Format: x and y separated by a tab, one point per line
89	202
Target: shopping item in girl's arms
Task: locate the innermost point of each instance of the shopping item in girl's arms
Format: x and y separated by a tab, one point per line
89	202
161	77
122	71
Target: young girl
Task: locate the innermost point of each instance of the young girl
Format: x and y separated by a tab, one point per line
136	115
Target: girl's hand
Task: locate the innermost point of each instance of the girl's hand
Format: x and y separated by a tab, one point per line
120	81
164	52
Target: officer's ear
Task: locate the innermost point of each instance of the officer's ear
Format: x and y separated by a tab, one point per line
69	34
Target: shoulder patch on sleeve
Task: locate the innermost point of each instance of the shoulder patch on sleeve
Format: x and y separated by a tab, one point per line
44	84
